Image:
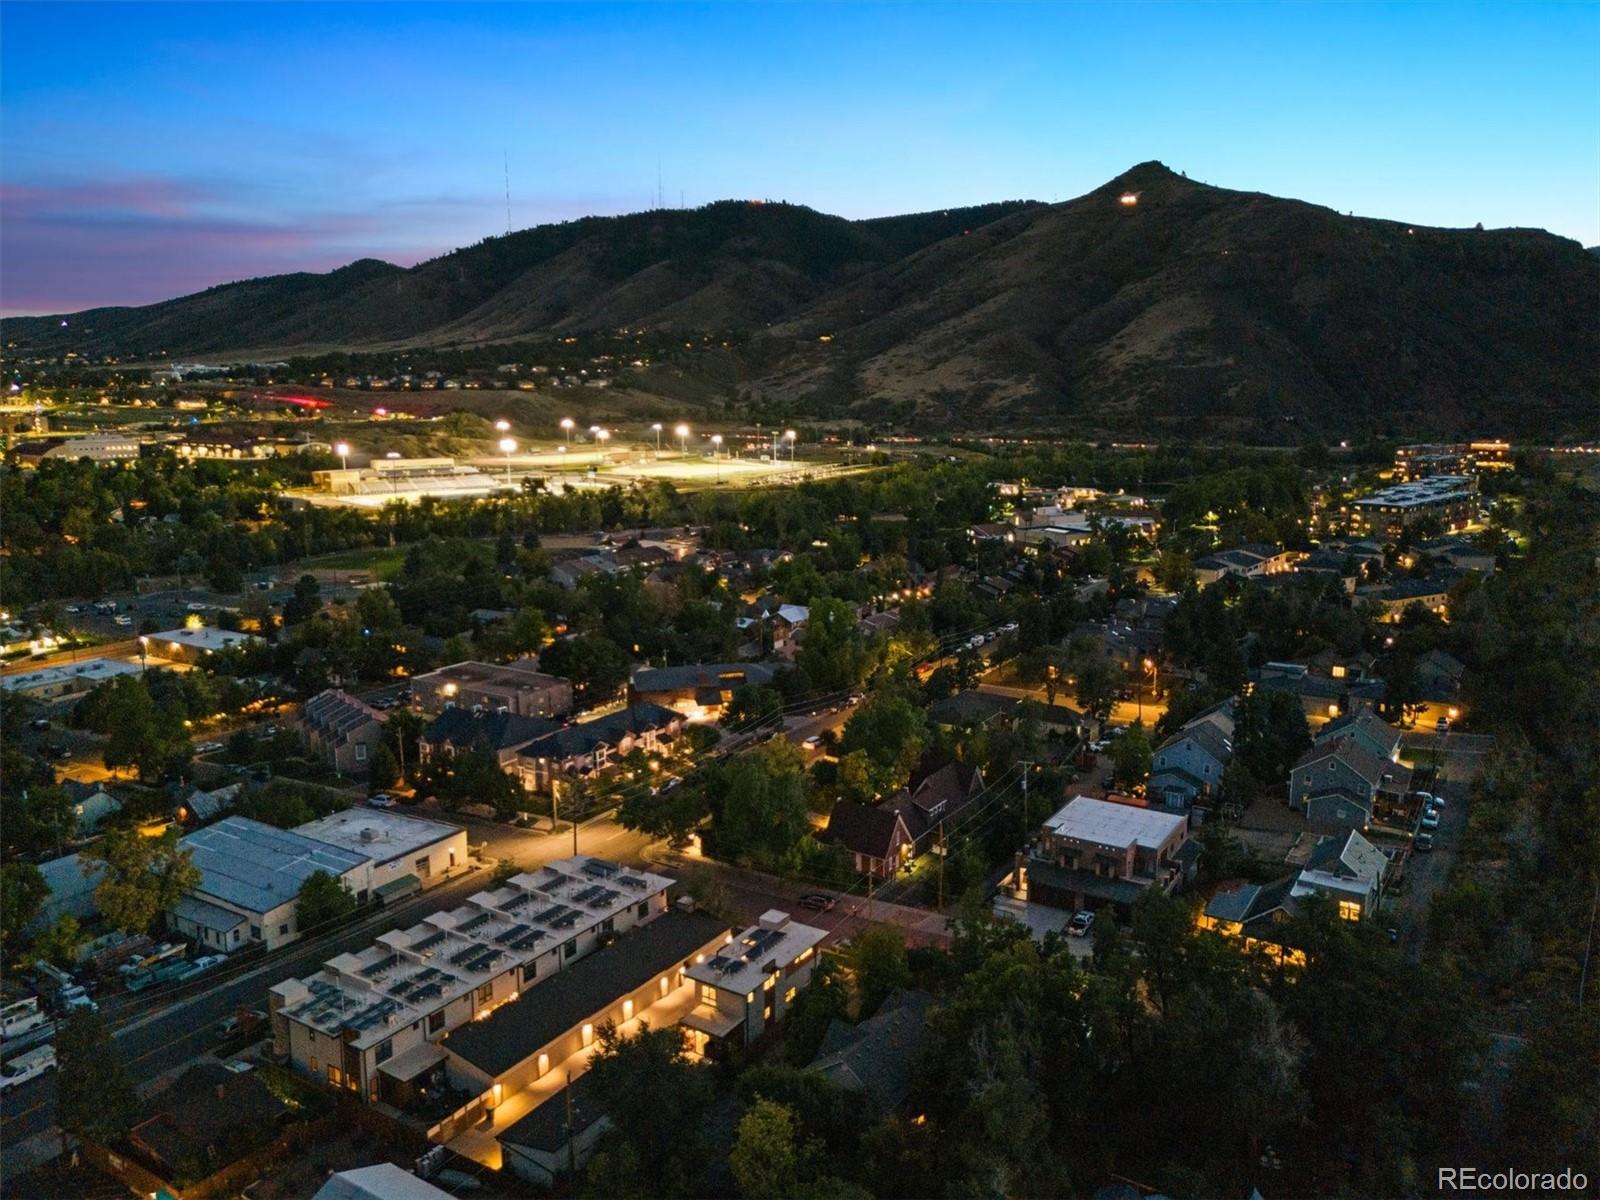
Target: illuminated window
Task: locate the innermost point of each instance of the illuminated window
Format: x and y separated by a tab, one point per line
333	1075
588	1034
788	997
771	982
804	955
708	994
1349	910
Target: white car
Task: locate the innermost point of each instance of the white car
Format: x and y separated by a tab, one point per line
812	743
27	1066
208	747
381	800
1082	922
122	620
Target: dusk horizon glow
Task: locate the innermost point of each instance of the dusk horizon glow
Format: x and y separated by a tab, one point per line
155	151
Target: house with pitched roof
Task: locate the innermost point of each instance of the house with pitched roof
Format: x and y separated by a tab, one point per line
458	730
590	746
342	729
872	1060
875	835
1256	913
1349	870
1340	780
938	796
1187	768
1368	730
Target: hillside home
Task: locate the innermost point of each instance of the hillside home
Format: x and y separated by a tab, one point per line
1339	781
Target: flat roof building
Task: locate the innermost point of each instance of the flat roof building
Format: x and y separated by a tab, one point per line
396	846
517	687
1452	499
255	871
751	981
369	1020
71	679
193	645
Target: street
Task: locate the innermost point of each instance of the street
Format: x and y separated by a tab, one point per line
1461	757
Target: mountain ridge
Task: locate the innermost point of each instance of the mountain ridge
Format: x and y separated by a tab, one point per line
1151	303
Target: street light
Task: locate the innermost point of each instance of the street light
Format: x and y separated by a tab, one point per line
657	428
507	445
788	436
503	425
342	449
683	438
716	453
566	428
600	436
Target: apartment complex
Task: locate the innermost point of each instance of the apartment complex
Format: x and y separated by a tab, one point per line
1451	499
370	1021
751	982
517	687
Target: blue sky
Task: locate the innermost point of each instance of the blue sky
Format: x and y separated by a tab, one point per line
152	150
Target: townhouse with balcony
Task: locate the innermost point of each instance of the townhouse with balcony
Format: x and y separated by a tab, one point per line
591	746
369	1021
751	982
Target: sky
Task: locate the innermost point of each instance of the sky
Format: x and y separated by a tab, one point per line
149	151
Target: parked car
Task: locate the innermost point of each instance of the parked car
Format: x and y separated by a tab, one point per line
238	1066
208	747
1424	798
1436	803
1442	724
1424	842
27	1066
39	723
1082	922
1100	746
1430	819
381	800
818	902
812	743
120	619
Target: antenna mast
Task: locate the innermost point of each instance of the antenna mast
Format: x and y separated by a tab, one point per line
505	157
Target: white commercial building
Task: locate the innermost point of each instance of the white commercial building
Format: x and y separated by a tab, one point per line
193	645
395	846
71	679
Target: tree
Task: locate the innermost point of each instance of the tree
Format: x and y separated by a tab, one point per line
753	707
322	901
1130	757
657	1099
23	892
306	601
383	769
767	1154
94	1096
889	734
760	805
1174	570
596	665
825	999
1094	678
144	876
61	942
834	654
878	956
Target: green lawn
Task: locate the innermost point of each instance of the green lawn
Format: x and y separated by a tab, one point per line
383	561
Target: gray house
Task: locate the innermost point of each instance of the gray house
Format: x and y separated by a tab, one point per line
1340	781
1188	766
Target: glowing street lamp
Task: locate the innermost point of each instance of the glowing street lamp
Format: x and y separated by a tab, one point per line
716	442
788	436
503	425
342	449
657	428
566	428
601	436
683	438
507	445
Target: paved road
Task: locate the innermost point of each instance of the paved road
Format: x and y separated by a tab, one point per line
1427	872
158	1033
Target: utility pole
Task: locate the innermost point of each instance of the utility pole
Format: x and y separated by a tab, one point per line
555	819
1026	766
870	878
943	854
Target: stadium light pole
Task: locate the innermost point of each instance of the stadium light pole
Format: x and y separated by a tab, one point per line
657	428
716	453
788	436
503	426
507	445
601	436
683	439
566	428
342	449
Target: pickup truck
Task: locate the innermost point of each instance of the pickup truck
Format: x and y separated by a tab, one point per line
27	1066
